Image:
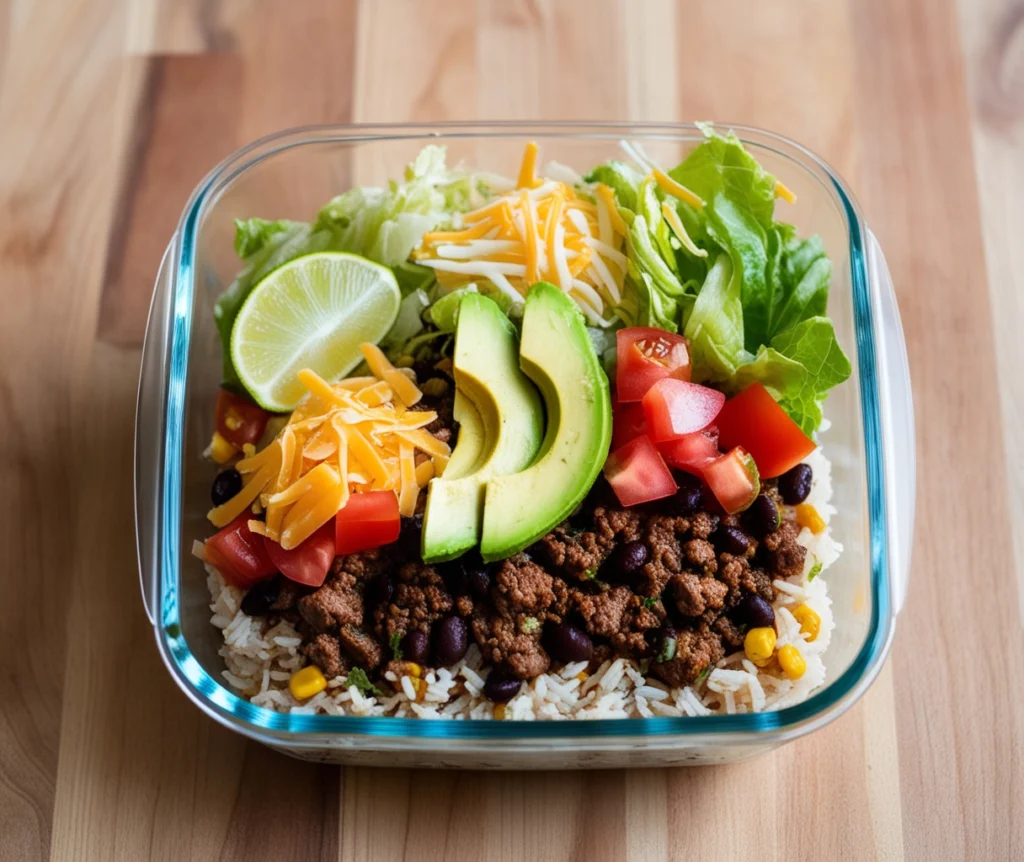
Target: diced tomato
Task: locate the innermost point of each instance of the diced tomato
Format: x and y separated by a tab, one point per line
239	554
309	562
239	421
628	423
637	473
645	356
691	451
755	421
734	480
368	520
675	407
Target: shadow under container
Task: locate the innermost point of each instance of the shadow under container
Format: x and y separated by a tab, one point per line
870	442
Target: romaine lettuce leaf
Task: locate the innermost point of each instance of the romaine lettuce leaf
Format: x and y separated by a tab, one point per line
621	179
798	274
714	327
253	234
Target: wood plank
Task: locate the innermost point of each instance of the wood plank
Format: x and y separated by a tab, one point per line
992	32
920	197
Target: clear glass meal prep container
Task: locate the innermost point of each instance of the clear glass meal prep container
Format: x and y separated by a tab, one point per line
290	175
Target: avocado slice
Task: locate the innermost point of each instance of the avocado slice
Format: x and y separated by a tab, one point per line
470	443
512	421
556	353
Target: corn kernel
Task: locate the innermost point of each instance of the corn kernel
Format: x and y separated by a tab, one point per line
792	662
421	689
759	644
413	669
807	516
499	711
220	449
810	622
307	682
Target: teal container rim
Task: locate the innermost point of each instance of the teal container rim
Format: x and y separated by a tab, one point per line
261	723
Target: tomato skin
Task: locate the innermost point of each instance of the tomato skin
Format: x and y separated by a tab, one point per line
239	554
368	520
239	421
308	563
675	407
628	423
645	356
755	421
691	451
734	480
637	473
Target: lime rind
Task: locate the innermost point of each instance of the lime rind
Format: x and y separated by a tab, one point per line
313	312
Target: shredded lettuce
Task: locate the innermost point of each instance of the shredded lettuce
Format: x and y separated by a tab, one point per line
382	224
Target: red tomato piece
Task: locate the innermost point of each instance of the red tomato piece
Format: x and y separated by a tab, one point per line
645	356
239	554
675	407
368	520
239	421
628	423
637	473
755	421
734	480
691	451
309	562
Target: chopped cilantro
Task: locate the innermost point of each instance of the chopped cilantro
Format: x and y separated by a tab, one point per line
357	677
529	625
590	574
650	602
703	675
668	650
396	649
815	570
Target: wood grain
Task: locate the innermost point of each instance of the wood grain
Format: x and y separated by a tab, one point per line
109	113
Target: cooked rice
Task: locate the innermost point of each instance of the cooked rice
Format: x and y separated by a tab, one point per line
259	659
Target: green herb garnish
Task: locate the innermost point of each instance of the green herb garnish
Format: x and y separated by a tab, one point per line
650	602
396	649
815	570
357	677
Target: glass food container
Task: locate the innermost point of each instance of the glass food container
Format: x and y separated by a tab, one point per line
290	175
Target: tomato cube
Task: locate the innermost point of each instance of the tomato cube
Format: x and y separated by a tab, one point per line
646	355
368	520
734	480
691	451
638	474
675	407
755	421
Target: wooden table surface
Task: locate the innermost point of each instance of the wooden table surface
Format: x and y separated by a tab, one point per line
110	113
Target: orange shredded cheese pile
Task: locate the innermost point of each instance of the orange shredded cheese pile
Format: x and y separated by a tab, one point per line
355	435
541	231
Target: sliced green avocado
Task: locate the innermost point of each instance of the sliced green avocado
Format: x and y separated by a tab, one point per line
512	418
470	444
557	354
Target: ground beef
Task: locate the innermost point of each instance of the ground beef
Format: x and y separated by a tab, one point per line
577	555
638	620
464	606
288	596
325	652
703	525
730	632
366	652
522	586
603	613
786	555
693	595
700	554
337	602
695	651
617	525
420	597
443	407
740	576
361	566
513	642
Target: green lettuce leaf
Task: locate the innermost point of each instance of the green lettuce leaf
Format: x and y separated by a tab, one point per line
714	327
253	234
798	273
621	179
444	313
720	165
408	323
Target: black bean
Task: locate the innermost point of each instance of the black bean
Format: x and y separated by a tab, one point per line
409	533
500	686
416	646
226	484
732	540
755	611
477	583
630	558
688	499
379	590
795	485
259	600
451	640
568	643
763	516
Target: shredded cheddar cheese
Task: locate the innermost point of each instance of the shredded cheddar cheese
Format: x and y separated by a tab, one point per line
352	436
542	230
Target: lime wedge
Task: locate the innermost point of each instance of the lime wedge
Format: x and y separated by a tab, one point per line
313	312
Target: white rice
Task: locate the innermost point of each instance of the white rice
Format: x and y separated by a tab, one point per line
259	660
